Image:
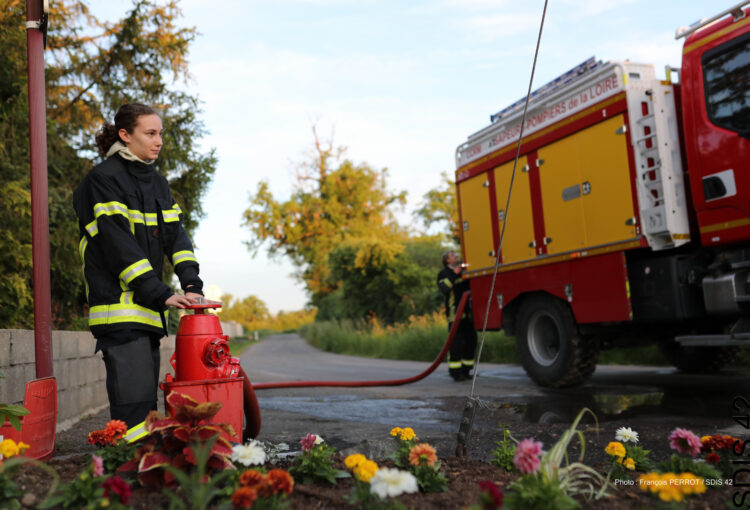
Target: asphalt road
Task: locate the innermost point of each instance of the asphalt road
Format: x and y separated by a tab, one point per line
434	405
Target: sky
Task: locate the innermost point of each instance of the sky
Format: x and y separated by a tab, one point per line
400	83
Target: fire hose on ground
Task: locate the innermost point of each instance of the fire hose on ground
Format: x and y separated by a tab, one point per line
205	370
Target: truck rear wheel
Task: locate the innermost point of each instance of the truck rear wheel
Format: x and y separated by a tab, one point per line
551	351
697	360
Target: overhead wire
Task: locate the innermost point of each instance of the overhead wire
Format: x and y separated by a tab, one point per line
472	402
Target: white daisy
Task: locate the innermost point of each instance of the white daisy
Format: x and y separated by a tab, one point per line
249	454
318	439
626	434
387	482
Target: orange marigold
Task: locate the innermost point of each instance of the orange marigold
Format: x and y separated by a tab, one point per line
252	478
422	453
116	429
280	481
244	497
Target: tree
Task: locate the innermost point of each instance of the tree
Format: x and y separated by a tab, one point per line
439	205
387	279
247	311
333	201
92	68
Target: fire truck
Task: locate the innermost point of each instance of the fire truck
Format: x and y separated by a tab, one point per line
629	216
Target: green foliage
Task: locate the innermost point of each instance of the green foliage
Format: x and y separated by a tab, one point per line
198	489
539	492
553	485
420	339
13	414
91	68
10	492
316	466
333	201
439	205
247	311
84	492
430	478
682	464
503	454
114	456
390	279
639	456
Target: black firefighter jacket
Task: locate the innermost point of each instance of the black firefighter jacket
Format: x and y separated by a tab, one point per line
128	222
453	286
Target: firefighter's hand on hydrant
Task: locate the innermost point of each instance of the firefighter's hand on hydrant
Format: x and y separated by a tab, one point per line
180	301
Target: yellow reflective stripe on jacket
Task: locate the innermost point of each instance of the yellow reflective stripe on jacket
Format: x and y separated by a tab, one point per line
82	251
172	214
133	215
447	282
123	312
92	228
134	270
136	432
110	208
183	256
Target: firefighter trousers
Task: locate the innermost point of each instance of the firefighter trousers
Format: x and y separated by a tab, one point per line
132	378
461	355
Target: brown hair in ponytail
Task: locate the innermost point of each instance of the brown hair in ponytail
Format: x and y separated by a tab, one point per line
126	118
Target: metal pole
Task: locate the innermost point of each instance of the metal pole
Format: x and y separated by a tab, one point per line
39	194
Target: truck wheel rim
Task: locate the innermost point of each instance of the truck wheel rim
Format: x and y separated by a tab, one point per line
543	339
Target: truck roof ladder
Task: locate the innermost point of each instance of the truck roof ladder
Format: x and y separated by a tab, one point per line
736	12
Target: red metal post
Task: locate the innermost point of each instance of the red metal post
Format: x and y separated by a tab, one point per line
39	193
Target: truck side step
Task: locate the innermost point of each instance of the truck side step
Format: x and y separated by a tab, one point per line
713	340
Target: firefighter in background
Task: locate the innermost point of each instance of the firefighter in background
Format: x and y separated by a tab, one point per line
129	222
452	285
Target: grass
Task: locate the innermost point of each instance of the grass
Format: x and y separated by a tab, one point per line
418	339
421	339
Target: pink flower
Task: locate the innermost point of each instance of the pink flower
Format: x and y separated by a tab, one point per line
308	442
527	455
98	465
685	442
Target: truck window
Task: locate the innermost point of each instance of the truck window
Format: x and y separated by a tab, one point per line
726	74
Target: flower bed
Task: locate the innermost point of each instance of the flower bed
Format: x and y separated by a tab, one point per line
416	476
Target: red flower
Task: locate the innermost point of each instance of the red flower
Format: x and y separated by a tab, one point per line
491	497
713	458
252	478
118	486
244	497
280	481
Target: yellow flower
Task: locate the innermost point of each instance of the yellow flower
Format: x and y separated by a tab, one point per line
365	470
395	431
670	492
23	446
649	481
629	463
407	433
354	460
8	448
705	439
615	448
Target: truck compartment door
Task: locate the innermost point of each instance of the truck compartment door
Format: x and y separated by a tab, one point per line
518	241
607	191
478	242
560	176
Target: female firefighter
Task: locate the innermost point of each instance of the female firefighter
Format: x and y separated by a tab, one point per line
128	223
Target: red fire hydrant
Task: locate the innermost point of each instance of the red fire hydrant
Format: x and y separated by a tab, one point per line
206	371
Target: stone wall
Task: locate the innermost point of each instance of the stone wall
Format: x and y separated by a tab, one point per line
79	372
